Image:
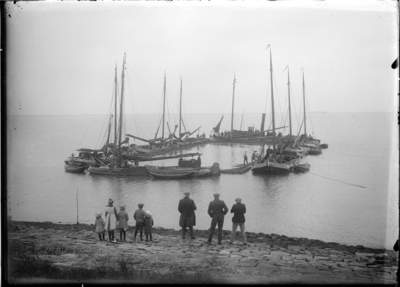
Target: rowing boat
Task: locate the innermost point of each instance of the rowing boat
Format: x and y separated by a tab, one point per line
239	169
302	167
171	175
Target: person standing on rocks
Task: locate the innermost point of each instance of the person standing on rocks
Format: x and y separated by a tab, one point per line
99	225
139	217
217	210
148	223
111	220
187	219
238	211
122	222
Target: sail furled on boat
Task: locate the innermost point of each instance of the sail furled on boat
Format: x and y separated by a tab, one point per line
216	128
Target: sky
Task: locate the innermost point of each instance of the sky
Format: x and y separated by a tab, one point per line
62	56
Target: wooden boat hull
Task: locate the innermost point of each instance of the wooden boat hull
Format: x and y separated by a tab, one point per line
75	169
180	146
315	152
76	161
120	171
257	142
272	168
237	170
182	175
324	145
214	170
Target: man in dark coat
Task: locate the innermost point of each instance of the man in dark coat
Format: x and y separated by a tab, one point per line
217	210
238	211
187	219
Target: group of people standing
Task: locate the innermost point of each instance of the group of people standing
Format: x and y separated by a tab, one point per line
217	210
119	221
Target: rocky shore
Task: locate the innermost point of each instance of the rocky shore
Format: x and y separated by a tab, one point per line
267	258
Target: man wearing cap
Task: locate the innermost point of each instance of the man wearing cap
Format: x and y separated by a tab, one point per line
139	217
217	210
238	211
186	208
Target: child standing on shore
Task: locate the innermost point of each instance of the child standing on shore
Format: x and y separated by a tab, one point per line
148	223
139	218
99	224
122	222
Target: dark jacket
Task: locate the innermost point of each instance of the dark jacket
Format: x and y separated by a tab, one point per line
238	210
186	208
217	207
139	215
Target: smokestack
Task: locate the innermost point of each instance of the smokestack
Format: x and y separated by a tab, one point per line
262	122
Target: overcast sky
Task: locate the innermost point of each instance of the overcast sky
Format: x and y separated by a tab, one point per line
62	56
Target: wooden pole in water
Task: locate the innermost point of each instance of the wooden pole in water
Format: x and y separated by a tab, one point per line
77	207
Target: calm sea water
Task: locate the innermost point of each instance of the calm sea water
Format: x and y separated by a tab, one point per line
363	153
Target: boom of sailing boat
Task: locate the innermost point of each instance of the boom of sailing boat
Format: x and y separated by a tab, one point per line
152	158
189	133
172	135
142	139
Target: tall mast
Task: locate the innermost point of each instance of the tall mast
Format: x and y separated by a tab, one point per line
290	112
121	106
115	113
163	119
304	104
272	101
180	112
233	103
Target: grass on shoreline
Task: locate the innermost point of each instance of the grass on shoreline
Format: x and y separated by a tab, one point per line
24	263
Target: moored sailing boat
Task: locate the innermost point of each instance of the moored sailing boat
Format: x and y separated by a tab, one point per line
273	163
252	136
162	145
291	153
308	142
118	166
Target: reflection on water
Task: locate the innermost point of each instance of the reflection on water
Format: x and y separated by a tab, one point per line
296	204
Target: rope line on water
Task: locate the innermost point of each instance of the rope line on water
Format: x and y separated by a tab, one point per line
342	181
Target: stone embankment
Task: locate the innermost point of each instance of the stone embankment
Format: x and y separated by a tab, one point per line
266	258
